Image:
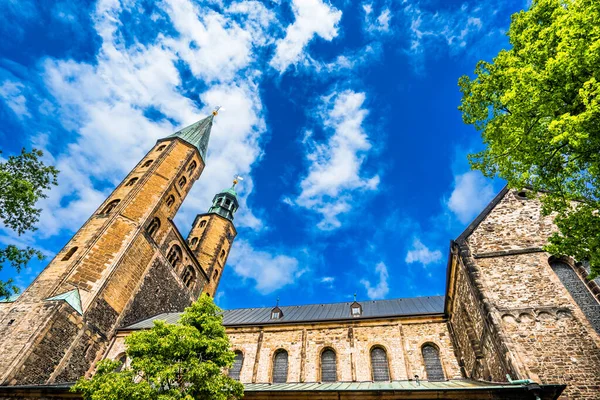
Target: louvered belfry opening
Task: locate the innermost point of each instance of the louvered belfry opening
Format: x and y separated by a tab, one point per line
433	364
280	366
328	366
236	368
579	291
379	364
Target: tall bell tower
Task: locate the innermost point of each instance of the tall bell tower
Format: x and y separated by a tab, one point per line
60	325
212	235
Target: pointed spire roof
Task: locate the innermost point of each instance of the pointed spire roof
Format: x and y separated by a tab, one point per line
197	134
72	297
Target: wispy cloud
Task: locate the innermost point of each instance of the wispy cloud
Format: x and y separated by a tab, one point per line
11	94
335	176
419	253
373	23
381	289
268	270
312	18
471	193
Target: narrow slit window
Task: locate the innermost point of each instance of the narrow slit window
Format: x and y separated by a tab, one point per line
192	167
379	365
236	368
161	147
170	201
182	182
280	366
194	241
215	275
174	256
202	223
70	253
153	226
328	366
131	182
189	276
110	206
147	163
222	254
433	364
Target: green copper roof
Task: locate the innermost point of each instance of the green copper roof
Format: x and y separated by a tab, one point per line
197	134
71	297
230	190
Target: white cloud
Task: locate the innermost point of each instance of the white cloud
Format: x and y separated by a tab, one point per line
472	192
104	102
377	24
454	27
334	173
312	17
380	290
327	279
269	272
421	254
12	94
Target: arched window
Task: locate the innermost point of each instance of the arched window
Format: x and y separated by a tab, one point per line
153	226
189	276
174	255
280	366
110	206
161	147
328	366
215	275
147	163
236	368
222	254
379	364
194	241
433	365
131	182
182	182
578	290
202	223
70	253
122	359
170	201
191	167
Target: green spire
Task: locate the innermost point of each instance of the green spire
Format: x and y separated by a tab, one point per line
225	203
197	134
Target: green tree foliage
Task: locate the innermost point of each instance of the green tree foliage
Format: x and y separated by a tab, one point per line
537	107
171	361
23	181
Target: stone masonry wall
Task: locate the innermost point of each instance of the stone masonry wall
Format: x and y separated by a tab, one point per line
39	345
352	341
547	337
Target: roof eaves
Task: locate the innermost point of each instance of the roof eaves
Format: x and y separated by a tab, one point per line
482	215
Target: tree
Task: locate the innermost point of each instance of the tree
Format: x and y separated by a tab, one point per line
171	361
537	107
23	180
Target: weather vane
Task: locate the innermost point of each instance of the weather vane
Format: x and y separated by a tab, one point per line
216	110
277	301
236	179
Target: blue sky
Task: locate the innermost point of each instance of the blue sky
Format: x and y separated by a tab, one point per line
342	117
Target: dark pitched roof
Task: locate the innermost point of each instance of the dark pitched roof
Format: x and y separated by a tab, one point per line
319	312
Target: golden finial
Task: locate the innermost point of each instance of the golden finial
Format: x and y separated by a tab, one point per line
216	110
237	179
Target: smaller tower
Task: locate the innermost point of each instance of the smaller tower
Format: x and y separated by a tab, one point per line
212	235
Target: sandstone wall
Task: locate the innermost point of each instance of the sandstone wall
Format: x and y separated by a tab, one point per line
352	341
541	331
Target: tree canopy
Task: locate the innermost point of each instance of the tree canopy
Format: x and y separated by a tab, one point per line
171	361
24	178
537	107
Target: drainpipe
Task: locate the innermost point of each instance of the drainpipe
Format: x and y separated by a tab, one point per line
531	385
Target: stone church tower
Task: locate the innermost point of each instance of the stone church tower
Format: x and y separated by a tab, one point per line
127	262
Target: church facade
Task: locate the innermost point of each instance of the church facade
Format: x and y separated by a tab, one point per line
514	322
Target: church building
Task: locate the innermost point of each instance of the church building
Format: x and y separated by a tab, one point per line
514	322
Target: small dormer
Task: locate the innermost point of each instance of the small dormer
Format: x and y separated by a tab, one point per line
356	309
276	313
